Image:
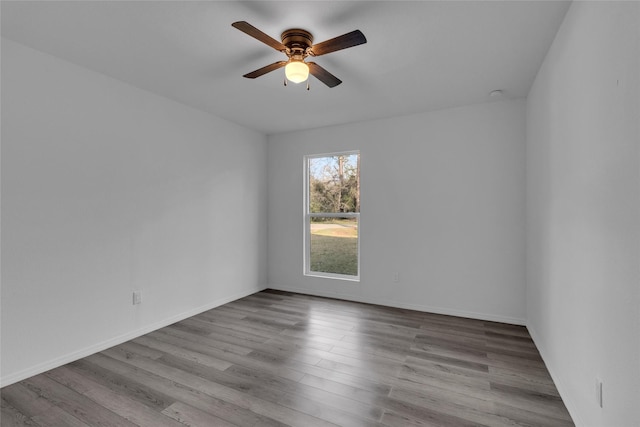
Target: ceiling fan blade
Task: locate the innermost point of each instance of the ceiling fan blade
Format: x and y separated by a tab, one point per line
354	38
323	75
264	70
249	29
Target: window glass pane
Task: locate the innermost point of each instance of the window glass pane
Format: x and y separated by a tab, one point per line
334	184
334	245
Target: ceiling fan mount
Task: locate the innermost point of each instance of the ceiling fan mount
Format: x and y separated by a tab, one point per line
297	44
297	38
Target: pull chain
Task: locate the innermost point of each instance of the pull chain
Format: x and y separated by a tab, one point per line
307	84
285	81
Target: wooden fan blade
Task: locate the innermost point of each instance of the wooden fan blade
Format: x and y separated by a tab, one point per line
323	75
249	29
264	70
354	38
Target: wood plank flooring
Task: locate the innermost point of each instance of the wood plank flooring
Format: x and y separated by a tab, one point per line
282	359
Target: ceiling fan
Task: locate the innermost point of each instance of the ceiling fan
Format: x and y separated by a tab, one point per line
297	45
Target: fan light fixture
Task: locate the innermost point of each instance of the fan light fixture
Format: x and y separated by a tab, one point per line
296	71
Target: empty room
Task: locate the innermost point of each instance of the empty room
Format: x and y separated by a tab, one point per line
320	213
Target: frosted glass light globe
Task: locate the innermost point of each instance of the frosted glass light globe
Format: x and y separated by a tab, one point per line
296	71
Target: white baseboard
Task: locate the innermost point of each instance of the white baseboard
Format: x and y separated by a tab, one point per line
416	307
564	394
79	354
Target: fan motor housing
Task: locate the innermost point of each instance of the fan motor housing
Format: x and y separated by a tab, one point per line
297	39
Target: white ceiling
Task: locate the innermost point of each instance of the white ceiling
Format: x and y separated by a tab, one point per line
419	56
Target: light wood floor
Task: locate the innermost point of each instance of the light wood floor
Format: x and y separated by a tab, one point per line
275	359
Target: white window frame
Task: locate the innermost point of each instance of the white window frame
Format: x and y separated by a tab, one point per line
307	222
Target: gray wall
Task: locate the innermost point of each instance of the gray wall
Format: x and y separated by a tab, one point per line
442	203
105	189
583	211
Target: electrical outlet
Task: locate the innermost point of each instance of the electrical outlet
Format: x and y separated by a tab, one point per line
599	392
137	297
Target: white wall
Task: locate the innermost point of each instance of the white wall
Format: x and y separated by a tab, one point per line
105	189
583	210
442	204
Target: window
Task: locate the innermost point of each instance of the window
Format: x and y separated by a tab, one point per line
332	215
